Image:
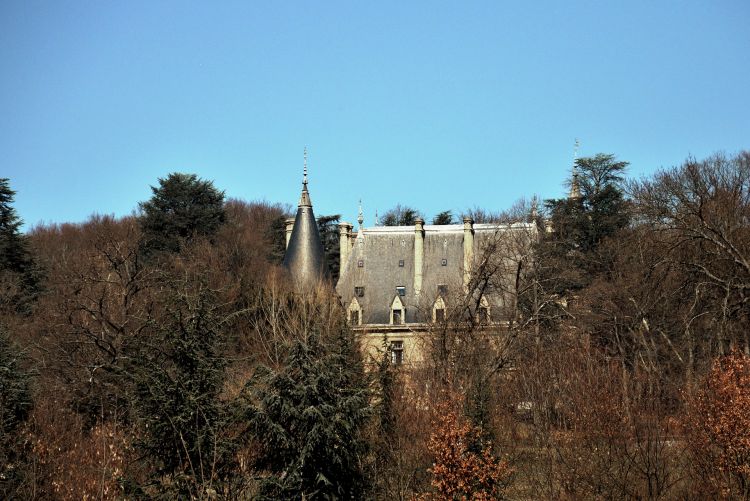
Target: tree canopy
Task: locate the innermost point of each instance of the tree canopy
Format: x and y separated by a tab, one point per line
182	206
400	215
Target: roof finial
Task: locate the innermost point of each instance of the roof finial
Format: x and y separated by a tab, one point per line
361	217
534	208
304	170
304	199
377	219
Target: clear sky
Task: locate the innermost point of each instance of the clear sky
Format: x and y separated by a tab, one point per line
438	105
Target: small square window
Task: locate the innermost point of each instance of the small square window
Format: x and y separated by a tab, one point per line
442	290
401	290
359	291
443	262
400	263
360	264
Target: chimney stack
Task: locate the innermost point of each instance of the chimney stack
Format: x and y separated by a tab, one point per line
418	254
468	250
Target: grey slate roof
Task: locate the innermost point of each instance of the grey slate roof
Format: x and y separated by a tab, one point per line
381	248
304	256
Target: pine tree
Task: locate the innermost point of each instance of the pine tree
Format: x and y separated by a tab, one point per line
18	268
182	206
329	234
177	383
307	418
445	217
580	223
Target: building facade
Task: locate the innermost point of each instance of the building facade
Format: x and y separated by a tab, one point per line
399	282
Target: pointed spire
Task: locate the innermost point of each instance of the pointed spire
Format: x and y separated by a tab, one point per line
575	190
304	199
305	256
534	208
377	219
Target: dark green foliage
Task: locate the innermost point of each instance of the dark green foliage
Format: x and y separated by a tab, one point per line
445	217
328	227
20	277
15	405
182	207
580	224
400	216
307	419
178	378
277	238
478	408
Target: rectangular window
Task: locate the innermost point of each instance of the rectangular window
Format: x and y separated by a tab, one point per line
400	263
397	317
397	352
483	314
359	291
439	315
401	290
354	317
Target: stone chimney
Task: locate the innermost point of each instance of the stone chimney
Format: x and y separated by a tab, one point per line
345	246
468	250
418	255
289	226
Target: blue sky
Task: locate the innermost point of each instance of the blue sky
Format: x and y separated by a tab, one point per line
437	105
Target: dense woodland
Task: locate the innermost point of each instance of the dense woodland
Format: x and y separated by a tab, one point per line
164	355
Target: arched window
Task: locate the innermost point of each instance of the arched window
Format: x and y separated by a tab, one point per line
398	311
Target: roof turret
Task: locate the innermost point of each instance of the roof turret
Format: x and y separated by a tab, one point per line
305	257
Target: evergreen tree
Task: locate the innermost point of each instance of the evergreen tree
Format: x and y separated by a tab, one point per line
178	379
15	405
182	206
329	235
445	217
308	417
580	223
400	216
18	269
277	237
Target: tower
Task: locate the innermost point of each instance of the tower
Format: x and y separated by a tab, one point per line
305	256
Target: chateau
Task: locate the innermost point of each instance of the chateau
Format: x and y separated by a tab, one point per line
397	282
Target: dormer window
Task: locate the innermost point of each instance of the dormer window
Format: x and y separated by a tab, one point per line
438	310
398	311
442	290
397	319
401	290
400	263
484	315
354	313
360	264
359	291
439	315
443	262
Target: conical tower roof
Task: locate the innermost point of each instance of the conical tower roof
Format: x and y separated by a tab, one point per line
305	257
